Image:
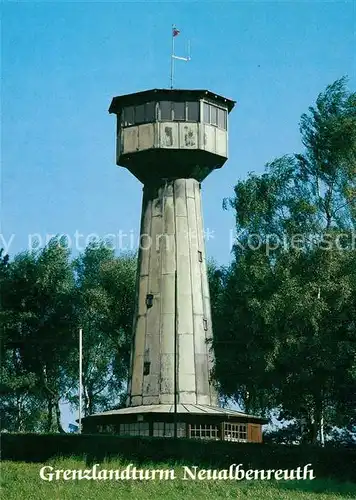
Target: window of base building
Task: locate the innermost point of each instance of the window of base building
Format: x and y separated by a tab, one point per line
235	432
106	429
135	429
166	429
204	431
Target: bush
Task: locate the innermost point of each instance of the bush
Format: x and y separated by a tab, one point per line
338	463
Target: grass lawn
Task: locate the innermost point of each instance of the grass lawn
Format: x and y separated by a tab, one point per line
21	481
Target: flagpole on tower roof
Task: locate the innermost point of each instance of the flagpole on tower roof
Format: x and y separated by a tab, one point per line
176	32
172	54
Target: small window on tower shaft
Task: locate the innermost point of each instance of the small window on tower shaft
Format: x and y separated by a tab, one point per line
149	300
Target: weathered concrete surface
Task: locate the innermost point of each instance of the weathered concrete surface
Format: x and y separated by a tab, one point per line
172	135
172	267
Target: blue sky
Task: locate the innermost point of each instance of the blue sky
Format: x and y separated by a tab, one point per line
62	62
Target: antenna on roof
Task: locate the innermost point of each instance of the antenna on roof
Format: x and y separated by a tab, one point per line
176	32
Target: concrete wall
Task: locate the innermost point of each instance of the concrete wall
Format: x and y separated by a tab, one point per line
172	267
172	135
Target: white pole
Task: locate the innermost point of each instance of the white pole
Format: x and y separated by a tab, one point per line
322	437
80	378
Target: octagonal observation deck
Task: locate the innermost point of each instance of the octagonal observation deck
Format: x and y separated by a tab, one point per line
171	134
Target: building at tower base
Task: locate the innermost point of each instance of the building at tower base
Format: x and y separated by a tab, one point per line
191	421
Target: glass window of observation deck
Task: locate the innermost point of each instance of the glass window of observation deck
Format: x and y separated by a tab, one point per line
128	116
165	110
178	110
222	121
206	112
142	113
150	111
193	111
214	115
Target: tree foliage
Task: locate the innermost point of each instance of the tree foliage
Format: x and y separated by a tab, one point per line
284	310
105	297
285	329
38	331
46	297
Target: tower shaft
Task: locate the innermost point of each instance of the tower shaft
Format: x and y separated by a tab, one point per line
171	140
172	324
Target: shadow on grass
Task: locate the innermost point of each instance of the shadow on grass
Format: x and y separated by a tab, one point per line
320	486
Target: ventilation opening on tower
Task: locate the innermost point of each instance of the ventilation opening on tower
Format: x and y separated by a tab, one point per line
149	300
146	368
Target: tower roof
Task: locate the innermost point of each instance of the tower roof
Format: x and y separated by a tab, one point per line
167	94
182	409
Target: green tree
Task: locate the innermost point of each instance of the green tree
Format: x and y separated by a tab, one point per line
285	330
18	410
105	300
38	332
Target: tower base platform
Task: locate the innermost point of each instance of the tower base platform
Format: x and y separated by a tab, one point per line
191	420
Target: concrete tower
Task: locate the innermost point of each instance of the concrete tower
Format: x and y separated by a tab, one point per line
170	140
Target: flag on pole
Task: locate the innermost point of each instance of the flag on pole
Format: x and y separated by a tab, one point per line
176	32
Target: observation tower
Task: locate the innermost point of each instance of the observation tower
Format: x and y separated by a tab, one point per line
171	140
